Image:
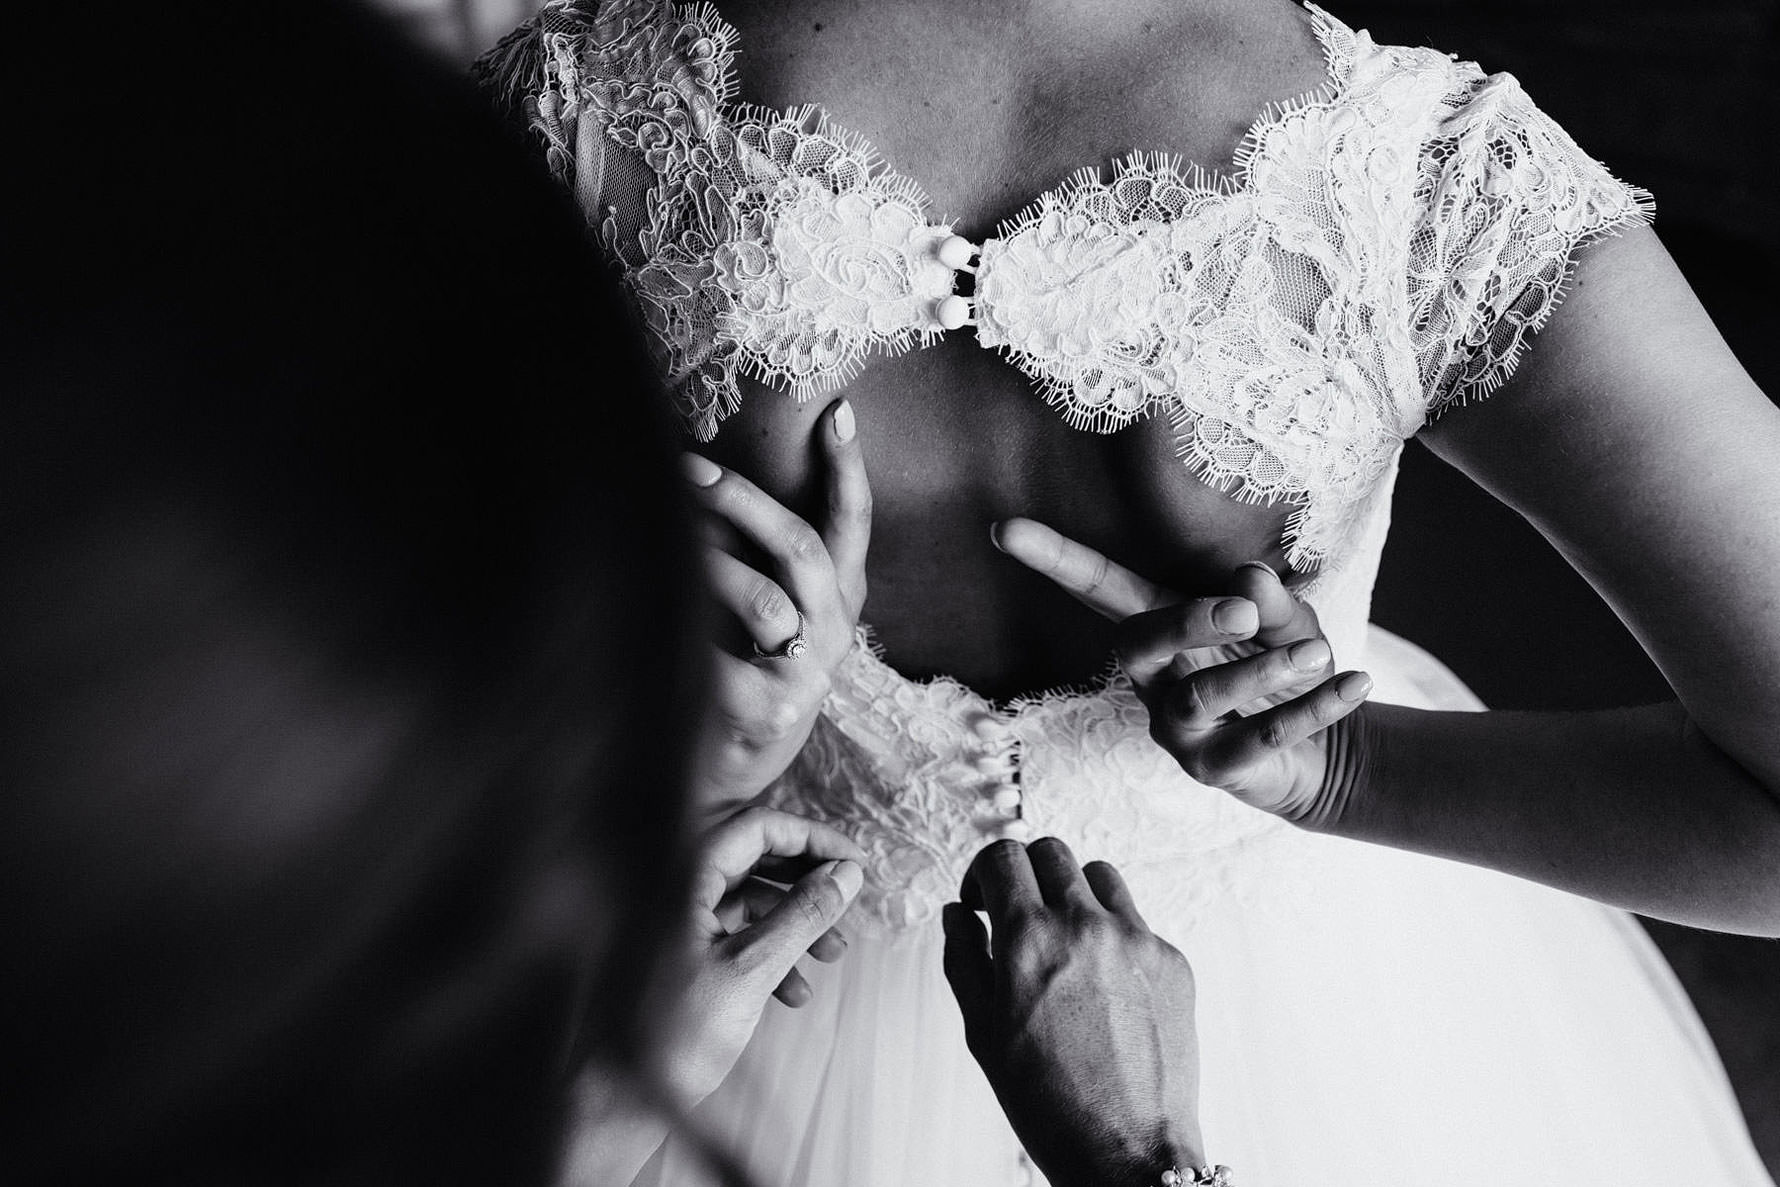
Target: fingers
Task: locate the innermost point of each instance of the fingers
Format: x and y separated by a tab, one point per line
1262	612
969	971
797	550
1109	887
1000	881
747	903
829	947
1201	700
1240	744
1059	878
793	990
846	524
735	847
1283	618
763	928
1100	584
755	899
1148	644
770	949
759	603
1008	878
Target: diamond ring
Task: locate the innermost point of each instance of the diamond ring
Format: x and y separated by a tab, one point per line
792	648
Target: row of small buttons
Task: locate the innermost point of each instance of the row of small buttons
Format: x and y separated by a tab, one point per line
956	253
996	757
996	760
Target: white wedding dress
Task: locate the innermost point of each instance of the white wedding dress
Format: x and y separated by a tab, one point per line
1384	248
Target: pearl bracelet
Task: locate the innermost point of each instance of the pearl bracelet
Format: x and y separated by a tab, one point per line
1206	1176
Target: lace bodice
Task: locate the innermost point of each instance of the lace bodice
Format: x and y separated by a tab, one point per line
914	771
1381	249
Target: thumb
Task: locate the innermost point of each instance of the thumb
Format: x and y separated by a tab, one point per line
770	948
969	972
1284	619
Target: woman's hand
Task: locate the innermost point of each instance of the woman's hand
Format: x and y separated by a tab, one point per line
1081	1018
768	887
1242	690
794	601
747	933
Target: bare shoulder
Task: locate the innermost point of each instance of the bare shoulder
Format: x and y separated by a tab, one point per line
1629	337
1184	76
1631	436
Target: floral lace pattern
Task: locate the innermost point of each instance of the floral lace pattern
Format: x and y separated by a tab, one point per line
1383	248
773	244
898	766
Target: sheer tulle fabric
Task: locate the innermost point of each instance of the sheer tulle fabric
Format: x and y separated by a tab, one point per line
1365	1016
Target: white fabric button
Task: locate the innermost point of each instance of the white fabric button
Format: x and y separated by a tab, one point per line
1006	799
1015	830
985	726
956	251
952	312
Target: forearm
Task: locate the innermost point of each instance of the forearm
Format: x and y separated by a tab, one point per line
612	1134
1633	807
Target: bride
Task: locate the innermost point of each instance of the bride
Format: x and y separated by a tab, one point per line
1251	252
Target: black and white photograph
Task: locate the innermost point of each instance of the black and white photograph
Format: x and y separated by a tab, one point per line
890	593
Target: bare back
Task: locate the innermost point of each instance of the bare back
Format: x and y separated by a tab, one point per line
988	106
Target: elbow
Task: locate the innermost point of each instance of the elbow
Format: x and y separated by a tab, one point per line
1744	755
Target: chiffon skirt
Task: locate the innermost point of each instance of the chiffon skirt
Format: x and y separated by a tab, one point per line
1389	1019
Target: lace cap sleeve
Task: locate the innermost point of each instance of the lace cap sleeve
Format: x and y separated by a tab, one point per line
1508	200
524	76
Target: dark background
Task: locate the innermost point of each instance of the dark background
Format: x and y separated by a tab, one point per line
1681	99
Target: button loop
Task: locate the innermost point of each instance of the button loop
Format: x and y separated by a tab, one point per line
994	758
956	252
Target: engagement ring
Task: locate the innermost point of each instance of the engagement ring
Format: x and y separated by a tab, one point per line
792	648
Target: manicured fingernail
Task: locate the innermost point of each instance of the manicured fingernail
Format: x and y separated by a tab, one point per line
1264	567
1353	687
1309	655
848	876
699	470
995	536
844	426
1236	616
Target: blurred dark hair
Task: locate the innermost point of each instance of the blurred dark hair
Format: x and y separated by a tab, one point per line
346	628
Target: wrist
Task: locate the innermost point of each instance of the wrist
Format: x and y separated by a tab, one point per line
1182	1150
731	774
1353	751
613	1129
1180	1153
